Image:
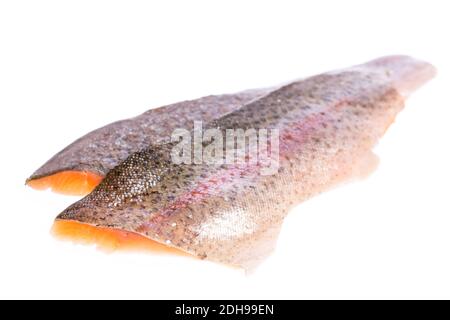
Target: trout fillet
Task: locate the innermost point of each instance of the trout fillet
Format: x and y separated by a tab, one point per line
79	168
232	213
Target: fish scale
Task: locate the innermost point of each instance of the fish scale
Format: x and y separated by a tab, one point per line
232	213
101	150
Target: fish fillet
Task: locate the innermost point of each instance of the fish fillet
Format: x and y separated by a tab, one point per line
232	213
80	167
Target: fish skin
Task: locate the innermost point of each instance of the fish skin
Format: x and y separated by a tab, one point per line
232	214
102	149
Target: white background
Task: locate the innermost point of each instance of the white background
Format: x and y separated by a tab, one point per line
68	67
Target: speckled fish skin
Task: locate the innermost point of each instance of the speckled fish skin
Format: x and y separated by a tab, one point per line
231	214
101	150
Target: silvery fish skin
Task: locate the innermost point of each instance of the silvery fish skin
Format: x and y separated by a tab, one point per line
328	125
101	150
